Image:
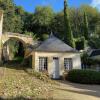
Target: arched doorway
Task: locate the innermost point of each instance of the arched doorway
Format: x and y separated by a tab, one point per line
13	50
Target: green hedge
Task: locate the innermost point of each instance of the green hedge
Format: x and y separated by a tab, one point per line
84	76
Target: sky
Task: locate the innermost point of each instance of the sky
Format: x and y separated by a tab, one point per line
57	5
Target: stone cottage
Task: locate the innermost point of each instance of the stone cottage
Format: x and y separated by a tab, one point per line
54	56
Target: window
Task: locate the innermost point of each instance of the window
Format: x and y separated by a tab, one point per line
68	63
43	64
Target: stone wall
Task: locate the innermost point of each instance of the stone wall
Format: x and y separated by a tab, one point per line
1	26
1	22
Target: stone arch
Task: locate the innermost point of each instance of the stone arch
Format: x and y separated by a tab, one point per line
24	39
16	39
7	54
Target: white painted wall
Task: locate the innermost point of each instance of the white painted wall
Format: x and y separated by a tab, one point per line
75	58
76	61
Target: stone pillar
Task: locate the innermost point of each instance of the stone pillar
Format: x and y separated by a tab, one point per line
1	22
1	27
6	52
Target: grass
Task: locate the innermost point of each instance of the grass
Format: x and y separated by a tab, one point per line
19	83
15	82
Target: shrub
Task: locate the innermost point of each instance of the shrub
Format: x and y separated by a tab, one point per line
80	43
84	76
41	75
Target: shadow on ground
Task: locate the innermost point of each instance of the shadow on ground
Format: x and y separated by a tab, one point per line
15	65
23	98
90	90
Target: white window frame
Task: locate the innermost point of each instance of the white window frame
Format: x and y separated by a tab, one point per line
43	63
68	63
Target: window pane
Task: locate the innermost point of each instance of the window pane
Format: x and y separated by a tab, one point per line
43	63
68	63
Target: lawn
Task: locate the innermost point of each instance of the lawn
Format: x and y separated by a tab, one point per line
16	83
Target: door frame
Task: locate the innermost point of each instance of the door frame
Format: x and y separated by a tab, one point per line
56	68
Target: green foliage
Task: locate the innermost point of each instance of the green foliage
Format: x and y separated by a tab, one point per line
57	25
88	61
93	16
85	59
41	21
34	36
28	23
68	36
72	23
12	22
19	11
16	49
41	75
84	76
13	48
45	36
80	43
43	15
94	42
86	33
76	22
18	59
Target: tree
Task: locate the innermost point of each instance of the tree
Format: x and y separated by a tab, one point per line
45	36
12	21
28	23
19	11
76	19
86	32
34	36
42	20
93	16
94	42
57	25
68	36
80	43
8	7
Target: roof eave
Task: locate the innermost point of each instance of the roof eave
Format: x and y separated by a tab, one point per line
56	51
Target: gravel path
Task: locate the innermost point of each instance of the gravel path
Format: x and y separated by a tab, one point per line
71	91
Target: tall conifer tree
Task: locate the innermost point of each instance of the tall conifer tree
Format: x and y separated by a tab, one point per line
68	36
86	33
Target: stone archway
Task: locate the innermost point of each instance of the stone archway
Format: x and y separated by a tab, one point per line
26	40
4	37
23	38
13	48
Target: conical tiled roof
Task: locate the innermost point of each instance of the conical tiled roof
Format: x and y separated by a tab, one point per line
54	44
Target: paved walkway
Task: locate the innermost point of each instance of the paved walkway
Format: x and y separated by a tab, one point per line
71	91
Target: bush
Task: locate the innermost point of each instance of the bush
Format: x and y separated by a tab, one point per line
41	75
84	76
80	44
